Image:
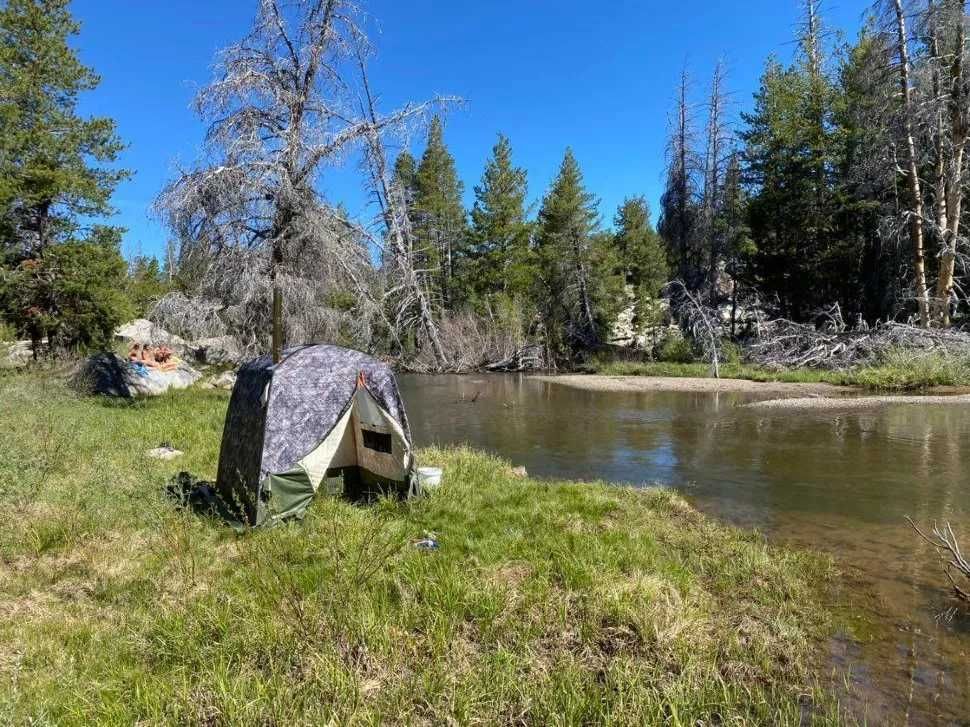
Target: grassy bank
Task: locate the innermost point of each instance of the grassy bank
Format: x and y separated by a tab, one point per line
547	603
898	371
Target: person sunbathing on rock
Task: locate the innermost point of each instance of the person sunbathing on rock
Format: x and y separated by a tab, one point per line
161	358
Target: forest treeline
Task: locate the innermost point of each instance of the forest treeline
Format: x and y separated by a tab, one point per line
841	183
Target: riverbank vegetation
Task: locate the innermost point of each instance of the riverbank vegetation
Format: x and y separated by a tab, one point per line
897	370
544	602
834	200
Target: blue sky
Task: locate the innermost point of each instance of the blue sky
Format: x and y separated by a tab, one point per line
548	73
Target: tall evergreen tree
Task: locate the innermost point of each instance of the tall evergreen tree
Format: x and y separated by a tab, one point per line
790	151
440	222
679	208
567	221
65	276
640	248
406	173
54	163
870	268
733	233
500	231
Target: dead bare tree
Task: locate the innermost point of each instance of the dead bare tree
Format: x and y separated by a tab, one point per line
678	214
915	212
948	24
715	160
397	240
702	322
283	106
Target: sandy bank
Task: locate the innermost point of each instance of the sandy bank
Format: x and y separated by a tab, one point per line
860	402
787	395
673	383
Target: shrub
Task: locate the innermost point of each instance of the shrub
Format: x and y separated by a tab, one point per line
675	350
730	353
73	295
908	369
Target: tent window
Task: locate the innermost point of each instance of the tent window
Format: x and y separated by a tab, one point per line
377	441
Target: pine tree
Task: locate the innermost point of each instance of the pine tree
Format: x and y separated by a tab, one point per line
500	233
52	159
733	233
73	295
146	283
440	224
679	209
567	221
641	255
640	248
406	173
790	150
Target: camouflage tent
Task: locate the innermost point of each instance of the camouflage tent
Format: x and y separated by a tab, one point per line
325	418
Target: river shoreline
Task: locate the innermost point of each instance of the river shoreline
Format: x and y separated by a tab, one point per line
634	384
786	395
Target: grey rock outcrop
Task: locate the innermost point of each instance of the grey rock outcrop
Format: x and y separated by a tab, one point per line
217	351
111	375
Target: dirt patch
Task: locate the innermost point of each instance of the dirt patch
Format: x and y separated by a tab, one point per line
673	383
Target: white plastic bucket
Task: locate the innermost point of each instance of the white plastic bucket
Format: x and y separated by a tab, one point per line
429	477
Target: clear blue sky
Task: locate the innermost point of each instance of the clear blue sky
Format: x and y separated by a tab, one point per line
599	77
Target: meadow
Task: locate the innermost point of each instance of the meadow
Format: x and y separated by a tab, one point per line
545	602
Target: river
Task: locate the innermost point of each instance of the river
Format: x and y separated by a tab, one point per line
838	481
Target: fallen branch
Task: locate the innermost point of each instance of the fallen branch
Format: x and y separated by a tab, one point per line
946	544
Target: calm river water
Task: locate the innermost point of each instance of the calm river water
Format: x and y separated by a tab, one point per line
840	481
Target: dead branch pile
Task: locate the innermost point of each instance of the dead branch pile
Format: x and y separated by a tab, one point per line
785	344
473	343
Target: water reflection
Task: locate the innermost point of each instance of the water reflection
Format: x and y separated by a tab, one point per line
839	480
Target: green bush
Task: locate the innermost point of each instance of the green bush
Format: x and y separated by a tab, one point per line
730	353
73	295
901	369
675	350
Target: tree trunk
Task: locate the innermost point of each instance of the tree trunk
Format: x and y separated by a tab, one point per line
954	178
916	193
584	299
277	346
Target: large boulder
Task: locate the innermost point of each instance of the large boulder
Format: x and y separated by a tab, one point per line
217	351
111	375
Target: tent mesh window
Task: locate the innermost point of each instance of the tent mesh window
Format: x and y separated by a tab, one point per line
377	441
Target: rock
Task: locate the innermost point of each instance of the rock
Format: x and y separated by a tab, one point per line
146	332
520	473
164	453
217	351
16	354
110	375
225	380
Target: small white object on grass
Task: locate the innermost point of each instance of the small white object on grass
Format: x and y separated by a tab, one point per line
164	453
429	477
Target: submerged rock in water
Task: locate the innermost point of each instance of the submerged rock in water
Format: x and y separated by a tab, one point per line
111	375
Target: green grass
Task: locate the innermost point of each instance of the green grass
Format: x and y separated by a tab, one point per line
897	371
547	602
